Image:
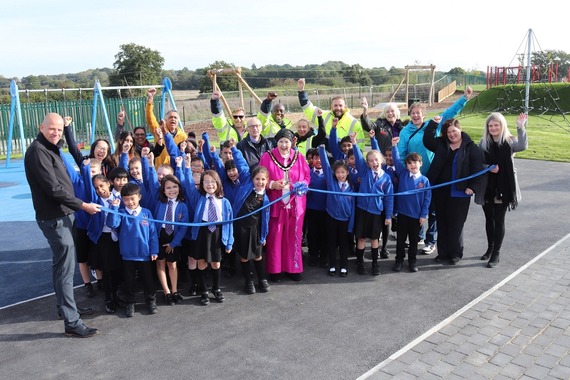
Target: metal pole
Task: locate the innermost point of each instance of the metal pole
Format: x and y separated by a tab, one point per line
527	92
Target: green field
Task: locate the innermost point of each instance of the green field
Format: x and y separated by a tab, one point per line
548	136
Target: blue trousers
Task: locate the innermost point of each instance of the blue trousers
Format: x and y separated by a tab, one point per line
430	237
58	232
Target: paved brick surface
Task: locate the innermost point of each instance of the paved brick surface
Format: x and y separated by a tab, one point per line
519	329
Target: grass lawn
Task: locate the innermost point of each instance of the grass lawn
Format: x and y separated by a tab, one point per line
548	136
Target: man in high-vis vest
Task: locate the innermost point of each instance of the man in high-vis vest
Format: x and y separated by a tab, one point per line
171	125
347	123
274	121
227	128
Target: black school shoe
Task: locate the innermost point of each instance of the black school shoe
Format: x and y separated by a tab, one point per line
152	308
204	299
130	310
263	286
110	307
218	295
177	297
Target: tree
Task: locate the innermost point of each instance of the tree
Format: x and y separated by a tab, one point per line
456	71
31	82
551	57
136	65
225	82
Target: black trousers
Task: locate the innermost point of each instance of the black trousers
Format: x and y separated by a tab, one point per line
316	234
145	271
338	240
408	227
451	213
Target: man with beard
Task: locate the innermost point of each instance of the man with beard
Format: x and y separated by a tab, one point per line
171	126
274	121
347	123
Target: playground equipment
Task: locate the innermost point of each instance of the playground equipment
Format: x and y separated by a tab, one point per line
98	99
406	79
241	83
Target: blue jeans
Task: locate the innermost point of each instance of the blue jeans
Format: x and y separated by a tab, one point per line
430	237
58	232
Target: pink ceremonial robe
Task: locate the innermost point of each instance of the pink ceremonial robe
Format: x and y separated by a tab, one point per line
284	240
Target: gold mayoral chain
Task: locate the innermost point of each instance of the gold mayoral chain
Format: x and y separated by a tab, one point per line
283	167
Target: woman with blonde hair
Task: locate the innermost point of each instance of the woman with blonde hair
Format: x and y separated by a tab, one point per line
501	192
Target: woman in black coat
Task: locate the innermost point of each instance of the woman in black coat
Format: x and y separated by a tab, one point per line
455	156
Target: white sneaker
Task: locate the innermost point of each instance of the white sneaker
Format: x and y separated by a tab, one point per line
428	249
421	242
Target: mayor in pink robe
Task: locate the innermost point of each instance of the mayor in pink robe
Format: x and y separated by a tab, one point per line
286	167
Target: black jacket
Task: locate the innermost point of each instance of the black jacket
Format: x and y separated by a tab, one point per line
252	151
382	131
469	160
50	185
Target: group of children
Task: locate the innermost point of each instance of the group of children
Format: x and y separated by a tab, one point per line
145	234
358	216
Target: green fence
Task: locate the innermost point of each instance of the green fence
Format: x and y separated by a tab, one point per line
80	110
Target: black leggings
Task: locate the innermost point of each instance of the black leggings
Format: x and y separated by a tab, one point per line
495	223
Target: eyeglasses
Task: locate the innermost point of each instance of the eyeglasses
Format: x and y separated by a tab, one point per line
254	126
239	116
101	147
140	134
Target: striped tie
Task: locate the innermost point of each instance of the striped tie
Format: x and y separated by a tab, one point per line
343	187
212	217
168	228
114	234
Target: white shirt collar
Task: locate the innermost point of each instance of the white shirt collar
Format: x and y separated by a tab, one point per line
137	210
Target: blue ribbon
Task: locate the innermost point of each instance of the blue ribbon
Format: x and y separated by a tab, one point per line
300	189
408	192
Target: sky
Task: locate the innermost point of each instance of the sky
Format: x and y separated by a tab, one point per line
68	36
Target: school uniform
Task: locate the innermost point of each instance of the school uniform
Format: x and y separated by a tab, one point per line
104	253
315	214
80	238
410	209
369	209
169	233
339	220
138	241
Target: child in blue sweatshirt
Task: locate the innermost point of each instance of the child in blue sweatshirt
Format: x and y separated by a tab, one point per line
339	218
170	207
368	215
316	212
105	246
412	208
210	206
138	243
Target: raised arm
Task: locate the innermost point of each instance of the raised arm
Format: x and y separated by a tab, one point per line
521	142
70	140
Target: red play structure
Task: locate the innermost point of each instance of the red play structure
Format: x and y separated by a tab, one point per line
502	75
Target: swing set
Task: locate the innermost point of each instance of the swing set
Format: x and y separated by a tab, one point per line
98	99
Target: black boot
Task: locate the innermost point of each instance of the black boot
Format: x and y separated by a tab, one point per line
494	260
248	277
488	253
